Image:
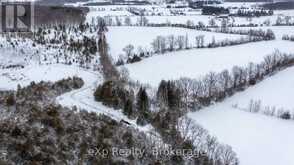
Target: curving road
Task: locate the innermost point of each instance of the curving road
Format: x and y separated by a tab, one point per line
83	99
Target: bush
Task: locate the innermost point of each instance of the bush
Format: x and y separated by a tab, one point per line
210	10
10	100
286	115
134	59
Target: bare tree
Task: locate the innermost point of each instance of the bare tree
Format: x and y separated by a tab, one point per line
181	42
129	50
128	21
171	40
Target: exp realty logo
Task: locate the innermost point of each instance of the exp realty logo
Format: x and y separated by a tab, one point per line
16	16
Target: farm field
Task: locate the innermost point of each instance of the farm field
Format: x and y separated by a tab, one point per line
120	37
198	62
257	138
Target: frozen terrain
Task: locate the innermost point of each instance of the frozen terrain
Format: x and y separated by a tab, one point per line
10	78
107	11
256	138
275	91
81	98
195	17
198	62
119	37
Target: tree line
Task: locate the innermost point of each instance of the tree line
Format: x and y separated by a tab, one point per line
254	13
215	87
255	106
288	37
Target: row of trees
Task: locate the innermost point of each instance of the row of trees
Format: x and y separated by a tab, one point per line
284	21
255	106
254	13
119	21
200	138
214	87
212	10
161	44
288	37
262	34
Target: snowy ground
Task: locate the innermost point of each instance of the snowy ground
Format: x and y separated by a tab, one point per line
107	11
10	78
256	138
269	93
198	62
119	37
195	17
82	98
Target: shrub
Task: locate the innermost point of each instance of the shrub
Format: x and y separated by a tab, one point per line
10	100
286	115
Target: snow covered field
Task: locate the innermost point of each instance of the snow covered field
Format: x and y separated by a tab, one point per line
269	93
256	138
119	37
10	78
107	11
195	17
195	63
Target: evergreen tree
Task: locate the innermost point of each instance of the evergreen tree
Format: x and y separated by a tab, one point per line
10	100
143	107
128	108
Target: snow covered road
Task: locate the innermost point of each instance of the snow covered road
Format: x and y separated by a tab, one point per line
81	98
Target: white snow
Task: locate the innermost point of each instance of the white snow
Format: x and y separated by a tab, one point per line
103	11
257	139
10	78
275	91
198	62
81	98
119	37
